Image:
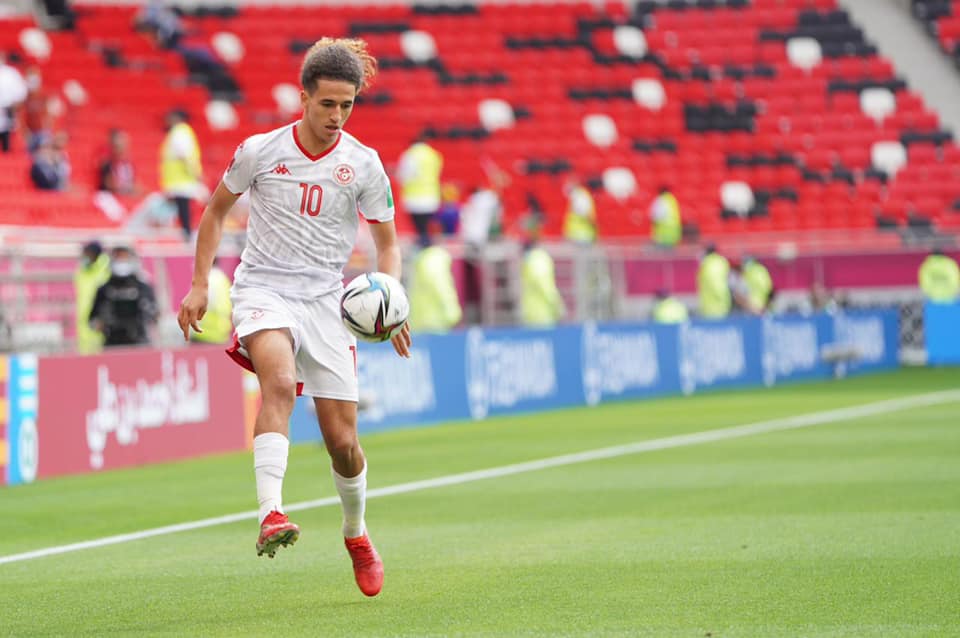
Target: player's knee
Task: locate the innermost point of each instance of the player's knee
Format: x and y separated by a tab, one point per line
345	449
279	388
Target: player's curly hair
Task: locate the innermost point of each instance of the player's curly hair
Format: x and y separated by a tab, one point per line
338	59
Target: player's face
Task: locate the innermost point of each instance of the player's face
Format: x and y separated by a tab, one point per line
326	109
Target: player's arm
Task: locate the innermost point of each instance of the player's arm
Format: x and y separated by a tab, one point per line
389	260
194	305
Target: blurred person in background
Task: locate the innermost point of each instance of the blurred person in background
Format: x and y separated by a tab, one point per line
161	22
541	304
418	170
580	221
307	183
481	217
821	300
668	309
116	173
939	277
13	91
37	112
449	214
125	307
666	228
216	325
434	304
750	285
713	286
48	171
481	220
92	272
180	167
60	141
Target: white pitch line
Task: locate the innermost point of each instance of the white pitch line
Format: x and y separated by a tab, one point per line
639	447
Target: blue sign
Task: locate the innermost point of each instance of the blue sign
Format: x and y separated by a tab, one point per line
22	435
941	329
485	372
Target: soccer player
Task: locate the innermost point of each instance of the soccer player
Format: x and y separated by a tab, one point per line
306	181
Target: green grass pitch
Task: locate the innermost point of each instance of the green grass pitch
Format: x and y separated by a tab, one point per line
848	528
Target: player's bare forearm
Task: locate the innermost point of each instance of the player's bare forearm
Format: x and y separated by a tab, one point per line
389	259
208	239
209	233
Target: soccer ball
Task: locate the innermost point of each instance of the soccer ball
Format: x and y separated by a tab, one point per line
374	307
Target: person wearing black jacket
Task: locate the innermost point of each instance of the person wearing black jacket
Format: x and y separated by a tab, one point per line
125	305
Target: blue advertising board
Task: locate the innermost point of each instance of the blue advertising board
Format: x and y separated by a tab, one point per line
941	329
487	372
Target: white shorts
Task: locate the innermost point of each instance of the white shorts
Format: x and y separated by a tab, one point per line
324	351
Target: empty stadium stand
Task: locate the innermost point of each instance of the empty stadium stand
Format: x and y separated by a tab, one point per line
942	18
786	97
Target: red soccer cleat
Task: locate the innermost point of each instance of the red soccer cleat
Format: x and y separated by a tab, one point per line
367	566
276	531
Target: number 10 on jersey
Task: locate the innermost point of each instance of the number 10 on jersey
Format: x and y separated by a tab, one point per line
310	198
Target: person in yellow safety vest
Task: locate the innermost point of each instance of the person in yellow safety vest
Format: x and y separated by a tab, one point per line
580	222
669	309
180	167
419	171
540	302
434	304
216	325
939	278
759	284
666	228
713	287
93	272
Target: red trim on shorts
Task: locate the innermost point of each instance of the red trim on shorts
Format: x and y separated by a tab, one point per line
310	156
244	362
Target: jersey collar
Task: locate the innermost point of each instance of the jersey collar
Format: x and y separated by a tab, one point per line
310	156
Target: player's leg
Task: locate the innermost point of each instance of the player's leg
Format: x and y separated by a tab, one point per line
338	424
271	352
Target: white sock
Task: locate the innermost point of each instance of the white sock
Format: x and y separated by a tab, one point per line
270	463
353	500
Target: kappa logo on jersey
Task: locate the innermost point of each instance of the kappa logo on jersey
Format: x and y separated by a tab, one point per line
344	174
281	169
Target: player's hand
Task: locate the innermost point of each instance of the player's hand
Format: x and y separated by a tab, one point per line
192	309
401	341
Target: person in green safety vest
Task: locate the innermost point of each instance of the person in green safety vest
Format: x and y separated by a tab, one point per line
93	272
181	169
216	325
666	228
418	170
939	277
669	309
434	304
759	285
713	288
540	302
580	221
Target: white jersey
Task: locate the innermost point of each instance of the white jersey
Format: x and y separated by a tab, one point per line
304	209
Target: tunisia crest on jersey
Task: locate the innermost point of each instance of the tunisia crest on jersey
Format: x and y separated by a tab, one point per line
344	174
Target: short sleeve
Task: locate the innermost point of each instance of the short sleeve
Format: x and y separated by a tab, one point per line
242	168
376	197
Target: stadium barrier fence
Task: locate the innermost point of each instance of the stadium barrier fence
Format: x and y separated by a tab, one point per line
76	414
